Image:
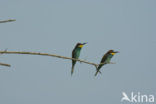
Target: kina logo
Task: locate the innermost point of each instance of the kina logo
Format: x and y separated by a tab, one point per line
137	98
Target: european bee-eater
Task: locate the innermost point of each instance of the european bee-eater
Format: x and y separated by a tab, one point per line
106	59
76	54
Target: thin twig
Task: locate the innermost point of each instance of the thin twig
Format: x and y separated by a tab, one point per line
3	64
46	54
9	20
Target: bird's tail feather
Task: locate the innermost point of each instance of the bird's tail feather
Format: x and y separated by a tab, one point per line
72	70
96	73
97	70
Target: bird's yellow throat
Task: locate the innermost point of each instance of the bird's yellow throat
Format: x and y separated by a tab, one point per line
80	46
113	53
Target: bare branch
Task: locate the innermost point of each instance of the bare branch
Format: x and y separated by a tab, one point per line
3	64
111	63
9	20
46	54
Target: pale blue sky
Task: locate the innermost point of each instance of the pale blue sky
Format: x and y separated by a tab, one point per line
55	26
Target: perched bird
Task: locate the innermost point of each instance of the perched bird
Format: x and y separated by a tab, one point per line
106	59
76	54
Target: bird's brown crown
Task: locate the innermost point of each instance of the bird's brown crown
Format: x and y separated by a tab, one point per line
80	45
112	52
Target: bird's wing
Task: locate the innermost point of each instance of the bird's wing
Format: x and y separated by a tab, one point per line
104	58
73	53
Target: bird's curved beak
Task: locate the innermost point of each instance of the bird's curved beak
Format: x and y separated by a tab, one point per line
116	52
84	43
